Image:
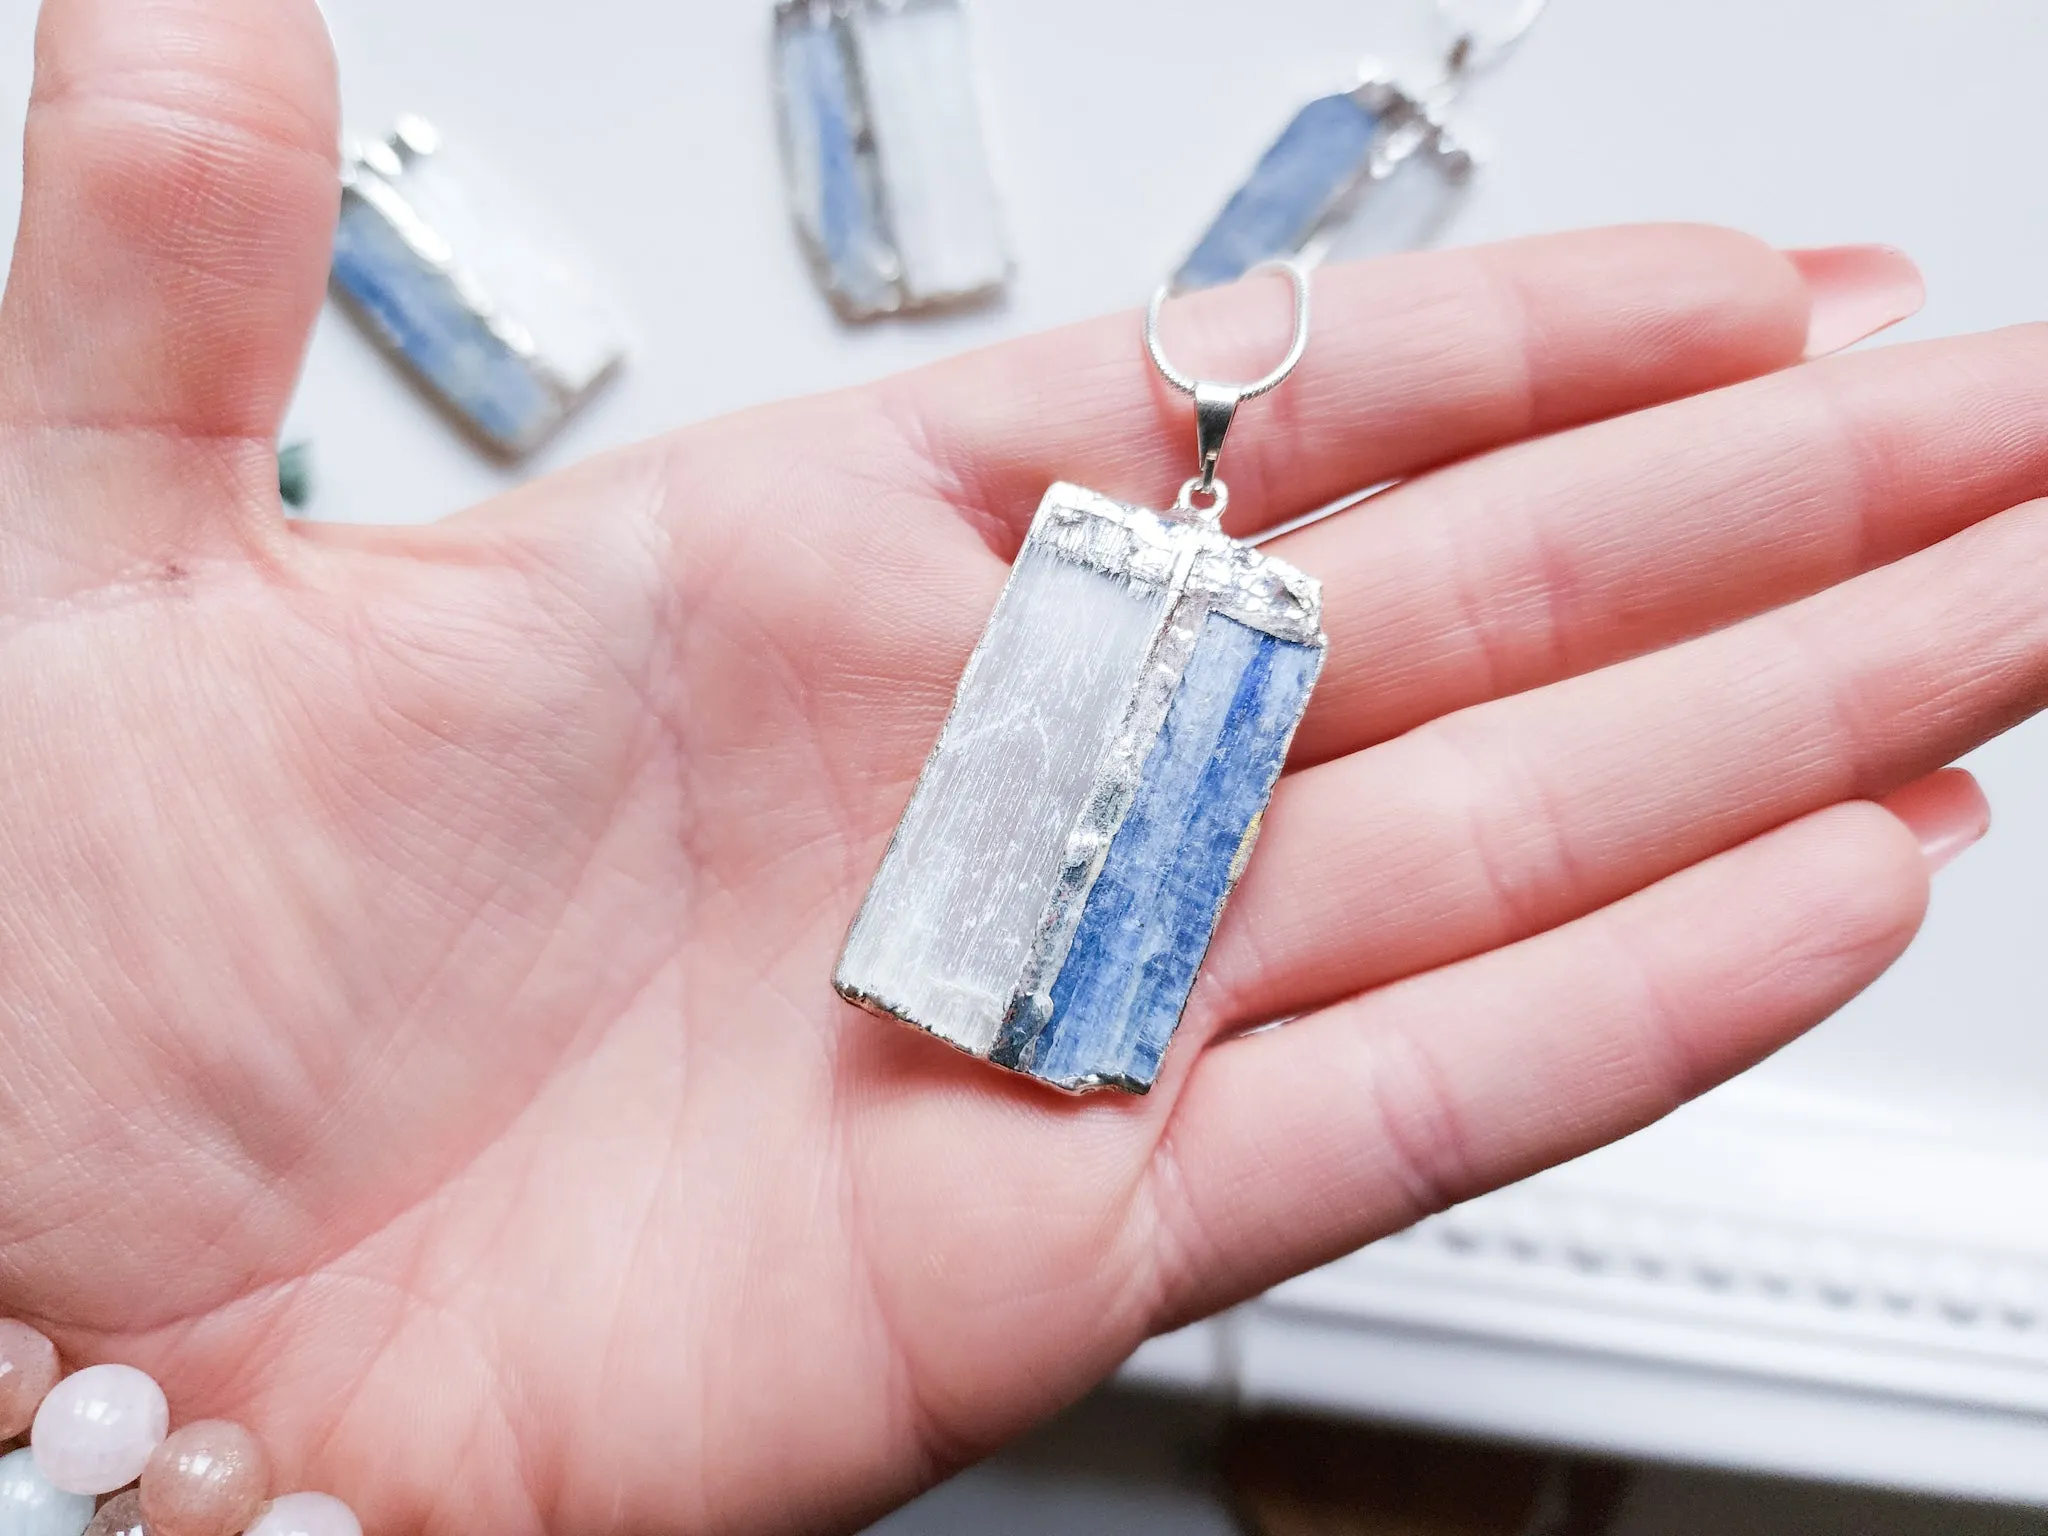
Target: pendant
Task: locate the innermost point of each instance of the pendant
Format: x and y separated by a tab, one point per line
1054	883
885	156
470	297
1378	168
1375	151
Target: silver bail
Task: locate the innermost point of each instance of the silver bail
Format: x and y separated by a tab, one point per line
1215	409
1216	404
1476	48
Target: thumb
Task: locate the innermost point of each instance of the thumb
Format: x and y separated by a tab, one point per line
178	210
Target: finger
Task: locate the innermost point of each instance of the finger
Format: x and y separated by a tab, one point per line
178	208
1511	818
1946	812
1858	290
1407	1100
1412	361
1562	555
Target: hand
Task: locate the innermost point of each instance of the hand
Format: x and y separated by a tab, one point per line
415	978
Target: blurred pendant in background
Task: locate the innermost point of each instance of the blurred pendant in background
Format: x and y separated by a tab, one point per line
452	270
885	154
1378	166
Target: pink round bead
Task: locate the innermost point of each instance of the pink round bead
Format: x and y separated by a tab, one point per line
209	1479
307	1514
28	1369
96	1429
119	1516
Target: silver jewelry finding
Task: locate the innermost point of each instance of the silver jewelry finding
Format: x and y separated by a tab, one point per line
1216	403
1475	49
1378	166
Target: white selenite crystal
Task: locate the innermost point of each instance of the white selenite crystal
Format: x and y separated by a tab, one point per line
1405	212
922	107
952	913
521	263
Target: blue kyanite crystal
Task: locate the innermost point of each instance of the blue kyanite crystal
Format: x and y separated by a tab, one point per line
416	309
839	203
1316	159
1153	907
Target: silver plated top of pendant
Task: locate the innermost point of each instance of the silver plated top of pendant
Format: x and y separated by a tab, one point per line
1419	120
1146	548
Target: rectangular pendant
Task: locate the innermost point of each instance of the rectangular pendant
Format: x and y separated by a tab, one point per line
1056	878
474	300
885	155
1370	167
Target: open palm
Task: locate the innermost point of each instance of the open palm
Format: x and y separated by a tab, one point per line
415	944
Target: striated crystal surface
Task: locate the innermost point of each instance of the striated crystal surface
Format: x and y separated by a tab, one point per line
95	1430
928	137
1156	901
31	1505
1317	158
950	918
884	149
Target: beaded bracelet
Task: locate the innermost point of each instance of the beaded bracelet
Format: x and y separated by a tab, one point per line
96	1431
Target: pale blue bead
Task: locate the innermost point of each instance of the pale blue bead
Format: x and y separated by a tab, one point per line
31	1506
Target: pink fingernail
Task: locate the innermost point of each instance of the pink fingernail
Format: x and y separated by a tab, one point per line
1946	811
1856	291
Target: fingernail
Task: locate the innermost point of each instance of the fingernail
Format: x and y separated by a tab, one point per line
1856	291
1946	811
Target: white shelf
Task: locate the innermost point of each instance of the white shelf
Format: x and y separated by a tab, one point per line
1769	1280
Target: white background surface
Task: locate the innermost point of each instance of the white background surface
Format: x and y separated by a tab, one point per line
1120	126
